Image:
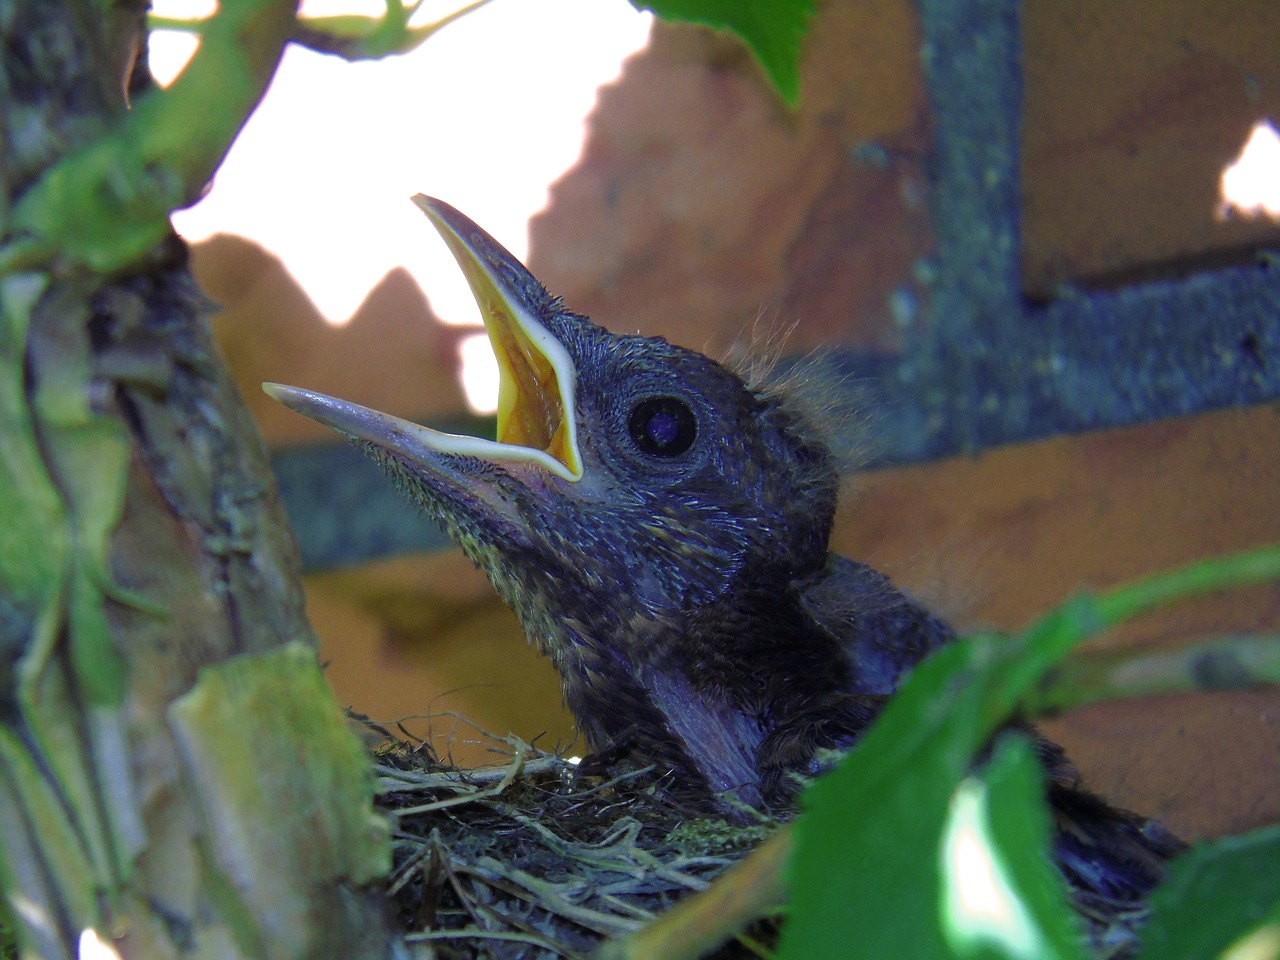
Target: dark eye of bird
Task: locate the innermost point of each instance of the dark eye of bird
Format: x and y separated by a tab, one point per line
662	426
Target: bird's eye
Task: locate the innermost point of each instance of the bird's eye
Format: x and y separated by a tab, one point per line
662	426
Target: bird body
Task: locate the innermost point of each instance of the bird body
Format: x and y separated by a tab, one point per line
661	529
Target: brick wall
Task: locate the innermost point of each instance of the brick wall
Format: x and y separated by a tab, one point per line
978	236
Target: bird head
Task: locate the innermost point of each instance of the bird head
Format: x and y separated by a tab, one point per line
632	482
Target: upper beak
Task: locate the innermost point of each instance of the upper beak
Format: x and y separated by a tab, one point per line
536	422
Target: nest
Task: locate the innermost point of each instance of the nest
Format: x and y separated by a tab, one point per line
540	856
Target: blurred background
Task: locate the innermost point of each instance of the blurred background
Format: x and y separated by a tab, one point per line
1035	240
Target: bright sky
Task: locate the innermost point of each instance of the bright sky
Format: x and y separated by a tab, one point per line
1251	185
485	115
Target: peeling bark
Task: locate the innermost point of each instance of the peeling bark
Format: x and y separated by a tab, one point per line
174	773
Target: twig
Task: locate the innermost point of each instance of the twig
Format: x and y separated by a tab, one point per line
512	771
705	920
394	780
546	895
405	873
667	871
474	933
446	862
626	906
521	924
1219	664
611	782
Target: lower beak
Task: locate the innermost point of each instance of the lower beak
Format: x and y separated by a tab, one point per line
536	423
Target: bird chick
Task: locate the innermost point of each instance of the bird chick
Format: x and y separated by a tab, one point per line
661	530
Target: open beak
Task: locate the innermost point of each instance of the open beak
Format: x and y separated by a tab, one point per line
536	376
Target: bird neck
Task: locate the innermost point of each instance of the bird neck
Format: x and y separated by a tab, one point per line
698	693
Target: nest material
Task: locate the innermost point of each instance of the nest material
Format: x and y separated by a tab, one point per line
542	857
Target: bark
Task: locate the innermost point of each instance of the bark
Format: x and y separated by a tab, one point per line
175	776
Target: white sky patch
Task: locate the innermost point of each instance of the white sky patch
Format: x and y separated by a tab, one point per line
92	946
1250	185
979	903
169	50
484	115
479	373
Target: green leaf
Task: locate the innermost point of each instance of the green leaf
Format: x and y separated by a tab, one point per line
774	30
886	807
33	540
865	870
1000	895
1217	896
106	204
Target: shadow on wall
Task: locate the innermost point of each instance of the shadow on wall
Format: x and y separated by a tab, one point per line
394	353
700	203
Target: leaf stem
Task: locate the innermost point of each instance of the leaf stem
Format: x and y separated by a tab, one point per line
196	25
1205	576
1224	663
702	922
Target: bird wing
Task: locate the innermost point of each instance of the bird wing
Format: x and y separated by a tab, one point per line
883	632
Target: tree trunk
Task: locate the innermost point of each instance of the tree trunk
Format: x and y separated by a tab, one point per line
175	777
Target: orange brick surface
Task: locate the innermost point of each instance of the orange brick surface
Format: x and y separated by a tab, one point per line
999	538
699	203
1132	109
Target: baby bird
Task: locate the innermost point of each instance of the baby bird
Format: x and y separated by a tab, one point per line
661	530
